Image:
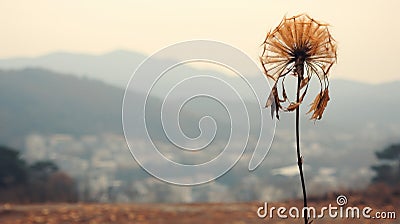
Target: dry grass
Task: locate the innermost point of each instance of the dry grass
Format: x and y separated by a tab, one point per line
379	197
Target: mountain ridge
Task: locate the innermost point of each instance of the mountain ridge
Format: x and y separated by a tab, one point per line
26	94
123	62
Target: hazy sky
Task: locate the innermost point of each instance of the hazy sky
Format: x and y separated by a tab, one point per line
367	31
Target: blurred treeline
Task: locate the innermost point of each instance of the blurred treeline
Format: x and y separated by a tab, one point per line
388	170
41	181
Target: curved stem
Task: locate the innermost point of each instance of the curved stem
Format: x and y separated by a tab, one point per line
300	71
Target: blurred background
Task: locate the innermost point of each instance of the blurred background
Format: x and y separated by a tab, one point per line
64	67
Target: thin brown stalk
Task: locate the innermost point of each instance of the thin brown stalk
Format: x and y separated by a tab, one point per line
300	71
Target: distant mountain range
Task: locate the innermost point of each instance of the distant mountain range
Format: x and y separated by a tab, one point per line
352	102
88	90
38	100
114	68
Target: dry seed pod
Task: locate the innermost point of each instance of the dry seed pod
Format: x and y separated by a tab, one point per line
303	47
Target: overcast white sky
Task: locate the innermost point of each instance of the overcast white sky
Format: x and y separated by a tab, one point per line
367	31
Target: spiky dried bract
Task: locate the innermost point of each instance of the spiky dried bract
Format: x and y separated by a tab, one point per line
299	43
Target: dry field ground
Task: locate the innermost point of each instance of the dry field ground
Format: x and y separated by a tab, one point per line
377	198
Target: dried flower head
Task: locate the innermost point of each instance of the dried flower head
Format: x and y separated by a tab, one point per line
304	48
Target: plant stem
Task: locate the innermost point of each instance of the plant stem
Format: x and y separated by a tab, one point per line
300	71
